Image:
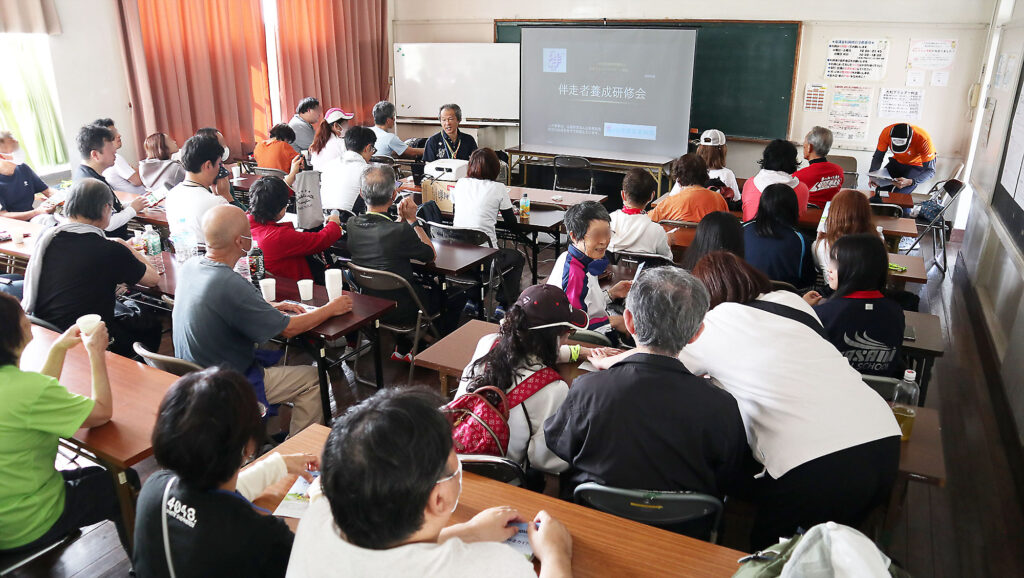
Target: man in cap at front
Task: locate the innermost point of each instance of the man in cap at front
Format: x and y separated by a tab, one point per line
913	156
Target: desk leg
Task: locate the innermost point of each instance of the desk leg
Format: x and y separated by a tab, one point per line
897	499
378	364
125	499
536	249
925	365
483	310
325	384
444	384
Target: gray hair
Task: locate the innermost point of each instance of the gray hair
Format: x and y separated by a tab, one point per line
452	107
377	184
382	111
668	305
86	200
820	139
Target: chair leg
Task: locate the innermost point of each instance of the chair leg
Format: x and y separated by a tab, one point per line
415	346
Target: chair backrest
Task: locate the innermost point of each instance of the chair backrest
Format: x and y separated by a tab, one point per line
594	337
269	172
703	512
812	206
952	187
783	286
647	259
568	175
887	210
849	166
883	386
382	159
494	467
166	363
673	223
377	280
43	323
459	235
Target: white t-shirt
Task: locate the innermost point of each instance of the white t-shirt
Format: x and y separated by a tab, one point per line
117	176
798	396
332	150
638	234
388	144
186	204
339	181
319	551
540	406
477	203
723	174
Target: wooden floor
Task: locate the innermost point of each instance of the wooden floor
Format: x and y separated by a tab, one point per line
974	526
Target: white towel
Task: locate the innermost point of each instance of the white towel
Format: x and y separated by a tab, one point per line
766	177
35	264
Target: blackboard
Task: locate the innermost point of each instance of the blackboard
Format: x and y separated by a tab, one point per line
743	71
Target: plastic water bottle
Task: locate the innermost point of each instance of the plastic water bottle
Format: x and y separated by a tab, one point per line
138	243
154	249
184	242
256	270
904	403
524	207
242	267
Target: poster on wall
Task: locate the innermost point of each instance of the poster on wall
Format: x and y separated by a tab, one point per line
849	112
814	97
931	54
900	103
856	59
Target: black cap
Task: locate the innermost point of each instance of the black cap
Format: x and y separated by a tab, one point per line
547	306
900	136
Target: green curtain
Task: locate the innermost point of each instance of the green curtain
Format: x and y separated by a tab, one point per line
27	105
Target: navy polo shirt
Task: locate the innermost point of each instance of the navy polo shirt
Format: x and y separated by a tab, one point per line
18	189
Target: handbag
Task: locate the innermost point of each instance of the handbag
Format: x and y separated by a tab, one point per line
930	210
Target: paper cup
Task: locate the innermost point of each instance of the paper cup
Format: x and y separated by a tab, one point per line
333	282
18	237
305	290
269	289
88	323
236	171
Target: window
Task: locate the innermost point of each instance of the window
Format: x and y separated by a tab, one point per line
27	105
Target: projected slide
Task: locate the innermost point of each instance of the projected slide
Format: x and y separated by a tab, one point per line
606	90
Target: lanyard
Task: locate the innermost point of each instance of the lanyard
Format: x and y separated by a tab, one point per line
458	143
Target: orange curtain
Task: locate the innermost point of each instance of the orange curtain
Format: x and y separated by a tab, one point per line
197	64
336	51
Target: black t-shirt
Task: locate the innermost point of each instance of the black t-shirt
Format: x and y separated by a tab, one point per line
211	533
84	171
867	328
80	274
648	423
440	146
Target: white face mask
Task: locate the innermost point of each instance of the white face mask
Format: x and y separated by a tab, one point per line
457	473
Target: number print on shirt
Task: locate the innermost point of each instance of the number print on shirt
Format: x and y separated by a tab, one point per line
182	512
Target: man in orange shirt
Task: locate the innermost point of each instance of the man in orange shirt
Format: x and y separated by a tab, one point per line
276	152
693	200
913	156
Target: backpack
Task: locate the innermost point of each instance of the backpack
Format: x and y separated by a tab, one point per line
480	427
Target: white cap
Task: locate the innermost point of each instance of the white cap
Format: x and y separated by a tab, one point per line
712	137
910	375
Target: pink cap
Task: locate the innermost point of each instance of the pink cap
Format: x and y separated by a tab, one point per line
335	114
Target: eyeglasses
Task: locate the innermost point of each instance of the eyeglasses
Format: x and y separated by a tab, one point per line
457	472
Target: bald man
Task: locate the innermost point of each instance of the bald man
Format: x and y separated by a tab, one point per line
219	316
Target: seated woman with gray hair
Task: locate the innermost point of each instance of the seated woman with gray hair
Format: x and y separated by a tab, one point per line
449	142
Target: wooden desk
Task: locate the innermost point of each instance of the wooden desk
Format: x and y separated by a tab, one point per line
538	197
915	272
137	391
156	216
891	226
16	256
922	459
453	258
904	200
928	345
450	356
244	181
603	545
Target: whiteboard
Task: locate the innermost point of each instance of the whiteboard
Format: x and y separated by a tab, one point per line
482	78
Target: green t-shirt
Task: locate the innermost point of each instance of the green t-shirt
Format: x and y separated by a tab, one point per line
34	411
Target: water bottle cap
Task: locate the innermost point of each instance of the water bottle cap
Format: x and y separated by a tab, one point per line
149	228
910	375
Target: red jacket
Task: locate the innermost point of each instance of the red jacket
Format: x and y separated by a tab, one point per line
823	180
285	249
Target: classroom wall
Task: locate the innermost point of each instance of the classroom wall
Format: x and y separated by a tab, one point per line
945	112
88	66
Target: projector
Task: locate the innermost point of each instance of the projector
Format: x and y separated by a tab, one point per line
446	169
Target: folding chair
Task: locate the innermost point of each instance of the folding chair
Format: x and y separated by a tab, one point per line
702	513
886	210
375	280
269	172
648	259
592	337
567	172
43	323
10	562
172	365
501	469
472	237
849	166
937	226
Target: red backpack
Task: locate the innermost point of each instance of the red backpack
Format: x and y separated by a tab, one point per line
480	428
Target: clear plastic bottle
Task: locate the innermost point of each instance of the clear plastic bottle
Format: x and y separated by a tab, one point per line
138	243
154	249
184	242
256	269
242	267
524	207
904	403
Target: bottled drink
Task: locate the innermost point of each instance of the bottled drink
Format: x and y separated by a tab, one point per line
242	267
154	249
256	270
138	243
184	242
524	207
904	403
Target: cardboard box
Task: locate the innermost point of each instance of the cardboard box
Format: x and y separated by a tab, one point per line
440	192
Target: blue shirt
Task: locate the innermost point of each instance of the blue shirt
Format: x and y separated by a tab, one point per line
18	190
787	259
867	328
388	144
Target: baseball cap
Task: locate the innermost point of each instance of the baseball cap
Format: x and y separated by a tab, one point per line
712	137
335	114
900	136
547	306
